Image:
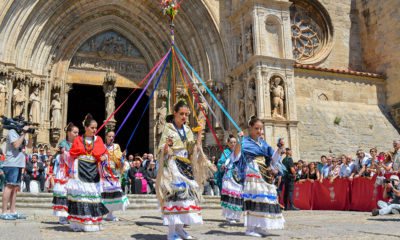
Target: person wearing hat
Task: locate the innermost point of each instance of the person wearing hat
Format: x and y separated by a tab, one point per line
289	177
392	190
136	177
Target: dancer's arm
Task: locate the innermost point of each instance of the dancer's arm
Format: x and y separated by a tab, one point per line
238	146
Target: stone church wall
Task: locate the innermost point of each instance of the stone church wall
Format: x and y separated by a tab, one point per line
340	113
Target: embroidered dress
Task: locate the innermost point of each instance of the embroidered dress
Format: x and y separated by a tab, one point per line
112	195
60	205
261	207
232	189
180	177
84	190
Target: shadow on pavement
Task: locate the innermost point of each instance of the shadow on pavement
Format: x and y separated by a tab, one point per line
384	219
50	223
61	228
151	217
148	236
149	223
217	232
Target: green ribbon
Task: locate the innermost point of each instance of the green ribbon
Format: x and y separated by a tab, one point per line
119	201
234	208
169	83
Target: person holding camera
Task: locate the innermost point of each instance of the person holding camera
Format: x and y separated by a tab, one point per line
12	167
392	190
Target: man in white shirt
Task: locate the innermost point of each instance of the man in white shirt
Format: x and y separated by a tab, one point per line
347	168
396	155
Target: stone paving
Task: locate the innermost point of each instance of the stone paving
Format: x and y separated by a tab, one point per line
147	225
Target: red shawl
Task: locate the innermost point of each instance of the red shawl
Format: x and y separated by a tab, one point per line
78	148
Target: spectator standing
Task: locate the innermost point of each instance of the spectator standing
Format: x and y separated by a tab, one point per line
145	160
42	155
396	156
35	170
289	178
299	168
394	192
313	173
347	168
321	164
360	162
304	173
326	168
12	167
387	162
334	170
151	177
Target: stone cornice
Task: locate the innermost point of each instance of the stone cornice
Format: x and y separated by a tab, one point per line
274	122
256	59
250	3
337	74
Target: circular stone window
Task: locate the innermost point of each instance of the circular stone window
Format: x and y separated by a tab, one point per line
312	31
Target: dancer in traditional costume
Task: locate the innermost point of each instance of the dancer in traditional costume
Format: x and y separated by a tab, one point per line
112	195
85	208
183	168
261	207
232	185
60	206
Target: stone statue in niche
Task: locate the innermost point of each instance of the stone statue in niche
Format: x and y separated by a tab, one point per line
200	114
251	99
19	99
218	112
3	97
161	117
34	100
110	92
55	108
277	97
249	42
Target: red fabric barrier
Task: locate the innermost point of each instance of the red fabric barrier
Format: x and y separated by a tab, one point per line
302	196
364	194
331	196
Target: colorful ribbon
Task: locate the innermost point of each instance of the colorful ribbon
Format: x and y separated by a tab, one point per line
108	119
140	96
208	90
148	103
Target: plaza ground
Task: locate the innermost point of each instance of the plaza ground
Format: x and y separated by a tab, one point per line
147	225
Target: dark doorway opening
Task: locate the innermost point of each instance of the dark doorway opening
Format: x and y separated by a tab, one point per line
140	141
83	99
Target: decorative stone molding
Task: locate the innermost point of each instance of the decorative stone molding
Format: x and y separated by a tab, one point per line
163	94
312	33
3	69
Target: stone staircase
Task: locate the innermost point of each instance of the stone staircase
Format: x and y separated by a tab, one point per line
44	201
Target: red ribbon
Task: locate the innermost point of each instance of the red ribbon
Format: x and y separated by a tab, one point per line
182	208
86	219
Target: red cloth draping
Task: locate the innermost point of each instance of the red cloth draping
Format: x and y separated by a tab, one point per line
360	194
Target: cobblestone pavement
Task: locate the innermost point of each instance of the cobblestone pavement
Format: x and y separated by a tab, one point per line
147	225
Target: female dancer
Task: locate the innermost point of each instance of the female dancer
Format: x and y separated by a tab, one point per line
261	205
84	191
112	196
232	185
60	206
183	168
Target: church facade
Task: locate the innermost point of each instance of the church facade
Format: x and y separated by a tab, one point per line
323	74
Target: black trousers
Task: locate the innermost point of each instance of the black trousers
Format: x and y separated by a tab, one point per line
288	194
40	178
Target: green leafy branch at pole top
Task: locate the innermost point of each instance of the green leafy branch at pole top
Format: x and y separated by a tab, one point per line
170	7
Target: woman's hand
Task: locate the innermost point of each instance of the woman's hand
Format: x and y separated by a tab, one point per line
103	158
241	134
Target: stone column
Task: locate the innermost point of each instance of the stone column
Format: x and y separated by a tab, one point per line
267	98
260	93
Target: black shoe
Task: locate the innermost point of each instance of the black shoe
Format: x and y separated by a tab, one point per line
375	212
294	208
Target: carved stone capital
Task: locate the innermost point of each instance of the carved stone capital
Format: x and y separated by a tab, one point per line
56	84
35	82
219	87
3	69
110	78
163	94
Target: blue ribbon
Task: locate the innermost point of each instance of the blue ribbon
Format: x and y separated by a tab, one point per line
259	195
140	96
208	90
148	103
